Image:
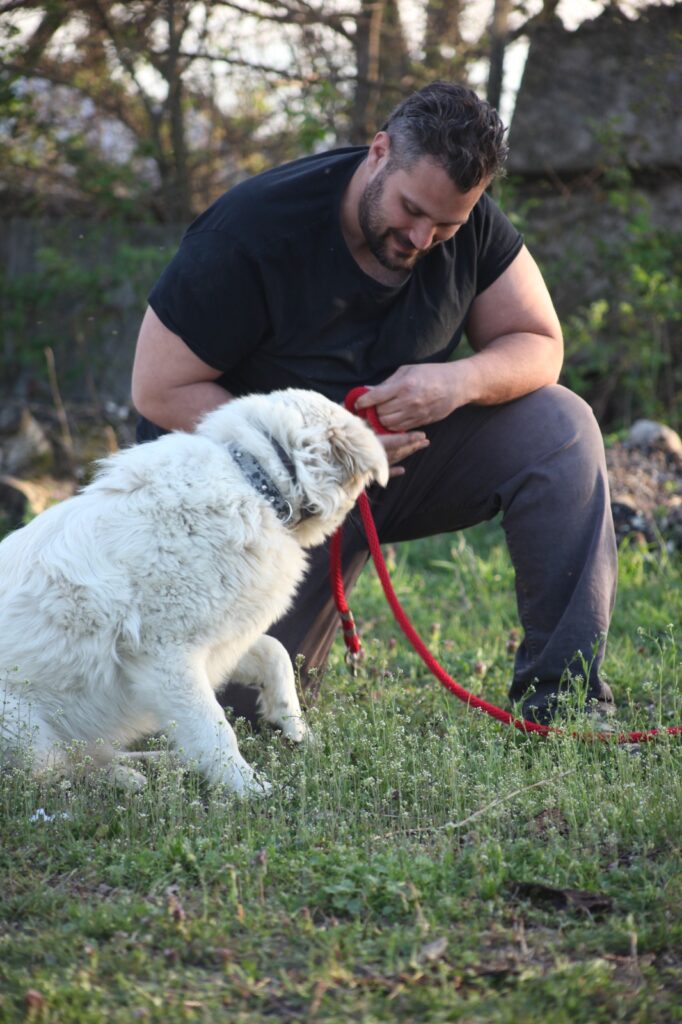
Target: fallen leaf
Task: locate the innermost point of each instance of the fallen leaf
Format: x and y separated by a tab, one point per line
175	908
34	999
548	820
261	858
564	899
432	950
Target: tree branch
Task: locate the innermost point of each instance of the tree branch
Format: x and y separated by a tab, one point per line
302	15
505	798
242	62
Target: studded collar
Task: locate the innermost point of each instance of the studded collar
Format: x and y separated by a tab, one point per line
264	484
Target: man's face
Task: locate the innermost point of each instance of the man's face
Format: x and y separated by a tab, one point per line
405	213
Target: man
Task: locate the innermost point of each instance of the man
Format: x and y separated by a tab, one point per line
366	266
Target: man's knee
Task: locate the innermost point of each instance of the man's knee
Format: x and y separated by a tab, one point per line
561	421
563	415
570	464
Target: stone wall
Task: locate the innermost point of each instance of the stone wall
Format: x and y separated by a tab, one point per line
610	72
608	93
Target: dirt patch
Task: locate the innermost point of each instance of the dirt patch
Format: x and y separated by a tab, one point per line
645	476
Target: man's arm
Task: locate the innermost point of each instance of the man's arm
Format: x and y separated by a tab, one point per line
171	386
516	335
518	348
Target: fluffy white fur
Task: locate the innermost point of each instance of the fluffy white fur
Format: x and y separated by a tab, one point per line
123	609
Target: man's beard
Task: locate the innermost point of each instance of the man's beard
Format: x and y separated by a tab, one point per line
377	236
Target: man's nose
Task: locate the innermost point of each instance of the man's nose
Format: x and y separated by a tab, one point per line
421	235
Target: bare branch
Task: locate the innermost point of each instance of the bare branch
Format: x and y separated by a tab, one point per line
302	15
543	17
505	798
17	5
40	38
242	62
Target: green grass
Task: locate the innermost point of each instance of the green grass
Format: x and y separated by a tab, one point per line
388	875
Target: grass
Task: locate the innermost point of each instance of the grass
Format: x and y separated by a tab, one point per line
418	862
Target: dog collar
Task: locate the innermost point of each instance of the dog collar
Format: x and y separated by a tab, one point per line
259	479
304	512
284	459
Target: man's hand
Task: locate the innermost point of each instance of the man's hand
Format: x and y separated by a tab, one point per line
399	446
416	395
516	337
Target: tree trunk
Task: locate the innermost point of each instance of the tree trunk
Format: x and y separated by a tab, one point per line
442	30
179	185
367	45
382	64
446	53
499	28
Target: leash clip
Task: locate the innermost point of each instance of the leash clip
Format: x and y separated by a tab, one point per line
353	659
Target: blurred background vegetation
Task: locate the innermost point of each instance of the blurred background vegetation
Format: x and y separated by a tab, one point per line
119	122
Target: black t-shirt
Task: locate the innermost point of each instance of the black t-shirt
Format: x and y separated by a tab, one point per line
264	288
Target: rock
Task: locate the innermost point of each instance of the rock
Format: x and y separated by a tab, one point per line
648	434
628	520
26	444
645	478
22	499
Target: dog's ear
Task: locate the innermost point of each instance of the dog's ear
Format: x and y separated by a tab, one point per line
356	449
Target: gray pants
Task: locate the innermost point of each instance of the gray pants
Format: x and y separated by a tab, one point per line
540	461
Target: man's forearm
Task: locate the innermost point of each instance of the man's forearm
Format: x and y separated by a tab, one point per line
508	367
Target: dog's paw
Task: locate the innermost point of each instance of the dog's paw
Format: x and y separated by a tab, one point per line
295	729
258	787
127	779
242	781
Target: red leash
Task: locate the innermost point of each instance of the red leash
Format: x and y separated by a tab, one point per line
352	638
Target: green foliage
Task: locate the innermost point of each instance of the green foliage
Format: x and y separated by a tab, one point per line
624	344
83	298
625	352
314	117
116	189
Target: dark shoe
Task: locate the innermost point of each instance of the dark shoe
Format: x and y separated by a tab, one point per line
549	703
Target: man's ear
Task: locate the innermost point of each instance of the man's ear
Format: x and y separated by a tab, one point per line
379	150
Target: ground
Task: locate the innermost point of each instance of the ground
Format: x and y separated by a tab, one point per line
646	493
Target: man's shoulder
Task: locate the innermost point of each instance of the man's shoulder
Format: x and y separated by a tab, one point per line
488	224
290	198
486	210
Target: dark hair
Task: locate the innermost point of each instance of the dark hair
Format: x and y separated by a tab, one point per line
453	126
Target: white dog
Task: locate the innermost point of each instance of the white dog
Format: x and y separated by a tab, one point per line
123	609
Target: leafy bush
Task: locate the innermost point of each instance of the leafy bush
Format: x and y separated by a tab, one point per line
82	296
615	276
626	348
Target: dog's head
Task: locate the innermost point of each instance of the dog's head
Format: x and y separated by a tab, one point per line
333	454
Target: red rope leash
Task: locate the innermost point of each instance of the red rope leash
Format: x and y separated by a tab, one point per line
352	638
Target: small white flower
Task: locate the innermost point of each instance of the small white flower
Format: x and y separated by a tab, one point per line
41	815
